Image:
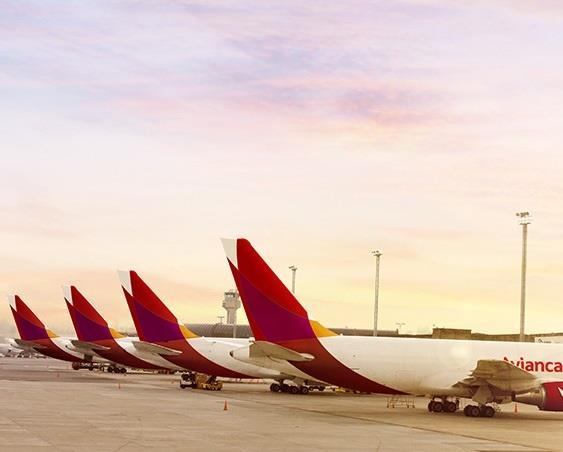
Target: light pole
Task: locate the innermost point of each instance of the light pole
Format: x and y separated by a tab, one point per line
399	326
377	255
524	221
293	269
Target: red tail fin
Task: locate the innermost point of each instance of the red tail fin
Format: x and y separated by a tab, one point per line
153	320
30	328
274	313
90	326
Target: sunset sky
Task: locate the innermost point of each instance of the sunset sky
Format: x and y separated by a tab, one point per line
135	134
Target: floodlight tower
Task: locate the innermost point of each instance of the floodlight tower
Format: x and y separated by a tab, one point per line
377	255
524	220
293	269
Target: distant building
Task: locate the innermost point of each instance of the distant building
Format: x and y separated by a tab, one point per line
465	334
224	330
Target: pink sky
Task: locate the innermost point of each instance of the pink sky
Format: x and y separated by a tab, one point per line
135	134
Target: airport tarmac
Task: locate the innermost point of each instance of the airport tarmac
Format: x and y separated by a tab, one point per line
44	405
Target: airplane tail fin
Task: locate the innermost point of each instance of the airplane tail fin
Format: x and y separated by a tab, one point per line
30	328
274	313
90	326
153	320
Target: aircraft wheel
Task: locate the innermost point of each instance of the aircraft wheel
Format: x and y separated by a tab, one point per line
450	407
487	411
431	406
123	370
304	390
438	407
321	388
284	388
293	390
275	387
472	411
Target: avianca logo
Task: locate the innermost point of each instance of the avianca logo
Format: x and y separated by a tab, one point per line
537	366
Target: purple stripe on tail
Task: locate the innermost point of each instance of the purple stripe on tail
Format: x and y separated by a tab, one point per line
153	328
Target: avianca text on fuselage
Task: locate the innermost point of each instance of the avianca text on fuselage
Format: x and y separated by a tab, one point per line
536	366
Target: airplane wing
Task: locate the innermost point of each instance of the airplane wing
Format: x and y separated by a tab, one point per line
149	347
260	349
86	348
28	345
494	375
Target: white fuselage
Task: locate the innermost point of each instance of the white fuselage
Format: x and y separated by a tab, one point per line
126	343
218	350
431	366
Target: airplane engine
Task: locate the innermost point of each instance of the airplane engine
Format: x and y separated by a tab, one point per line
241	354
548	397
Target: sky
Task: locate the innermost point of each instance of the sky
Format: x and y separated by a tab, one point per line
135	134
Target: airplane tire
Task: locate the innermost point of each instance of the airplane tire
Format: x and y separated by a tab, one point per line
110	369
450	407
431	406
472	411
438	407
293	390
487	411
321	388
304	390
123	370
275	387
284	388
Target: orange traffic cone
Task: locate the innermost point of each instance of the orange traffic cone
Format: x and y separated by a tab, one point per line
225	407
516	408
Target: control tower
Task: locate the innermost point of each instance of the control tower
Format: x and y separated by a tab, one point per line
231	302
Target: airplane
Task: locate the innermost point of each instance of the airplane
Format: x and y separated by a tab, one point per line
445	370
9	348
36	337
156	324
94	334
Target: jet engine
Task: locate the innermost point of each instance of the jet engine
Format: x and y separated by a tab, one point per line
547	397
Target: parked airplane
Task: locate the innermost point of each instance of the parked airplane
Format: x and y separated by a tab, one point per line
445	370
35	337
156	324
9	348
94	334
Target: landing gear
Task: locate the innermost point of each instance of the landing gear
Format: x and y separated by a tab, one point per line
295	387
450	407
435	406
479	411
443	405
